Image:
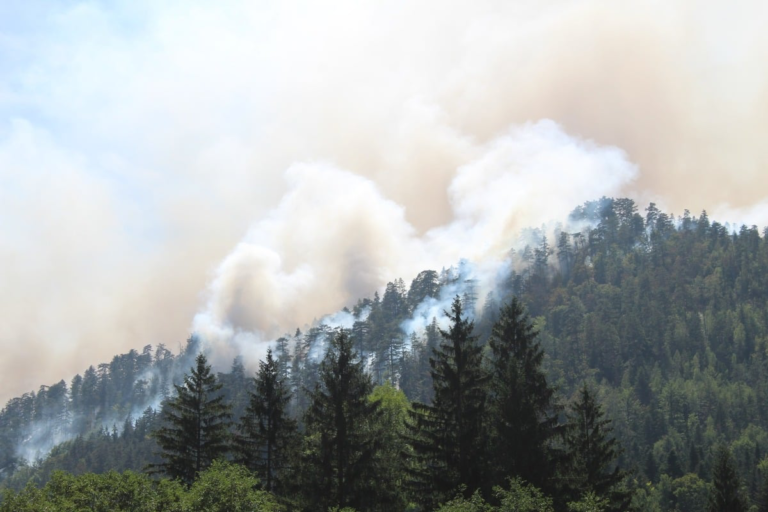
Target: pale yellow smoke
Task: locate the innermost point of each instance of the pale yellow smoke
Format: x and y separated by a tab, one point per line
334	237
157	148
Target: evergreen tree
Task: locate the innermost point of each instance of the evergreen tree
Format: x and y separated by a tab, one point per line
236	387
522	404
283	358
393	407
725	495
426	284
339	463
592	454
447	437
674	469
267	433
762	498
195	432
564	254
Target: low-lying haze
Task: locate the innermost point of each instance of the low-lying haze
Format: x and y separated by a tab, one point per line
260	164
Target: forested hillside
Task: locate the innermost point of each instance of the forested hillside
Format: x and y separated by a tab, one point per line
659	322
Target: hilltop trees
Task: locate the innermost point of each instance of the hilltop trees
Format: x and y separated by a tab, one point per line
195	430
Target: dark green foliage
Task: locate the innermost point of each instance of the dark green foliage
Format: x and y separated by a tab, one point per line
762	498
725	495
393	407
426	284
448	437
673	465
98	452
666	316
522	404
268	436
592	454
195	432
339	462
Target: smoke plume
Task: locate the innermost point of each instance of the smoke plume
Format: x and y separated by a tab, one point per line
140	142
334	237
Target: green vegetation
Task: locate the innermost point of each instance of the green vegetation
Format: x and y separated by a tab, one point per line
522	403
268	437
343	438
195	432
448	437
625	367
223	487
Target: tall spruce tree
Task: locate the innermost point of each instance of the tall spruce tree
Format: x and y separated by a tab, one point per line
762	497
267	434
195	430
447	437
522	404
592	454
725	494
339	461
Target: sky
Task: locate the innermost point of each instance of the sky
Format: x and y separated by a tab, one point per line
249	166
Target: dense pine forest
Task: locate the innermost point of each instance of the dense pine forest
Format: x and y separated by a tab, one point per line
619	364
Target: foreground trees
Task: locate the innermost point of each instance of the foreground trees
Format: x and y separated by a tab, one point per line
338	466
725	495
196	427
268	435
448	437
591	453
522	407
491	427
223	487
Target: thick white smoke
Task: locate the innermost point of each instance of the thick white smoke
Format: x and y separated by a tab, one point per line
334	237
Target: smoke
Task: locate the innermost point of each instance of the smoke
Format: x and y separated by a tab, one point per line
141	140
334	237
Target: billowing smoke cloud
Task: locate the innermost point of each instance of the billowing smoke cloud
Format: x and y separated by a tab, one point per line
332	237
335	238
140	140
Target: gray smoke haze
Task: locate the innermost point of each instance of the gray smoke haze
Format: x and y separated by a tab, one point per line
140	142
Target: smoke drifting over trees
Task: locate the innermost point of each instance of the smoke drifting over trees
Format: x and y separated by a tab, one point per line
335	237
143	140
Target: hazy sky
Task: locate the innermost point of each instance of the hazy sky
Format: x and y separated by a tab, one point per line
261	163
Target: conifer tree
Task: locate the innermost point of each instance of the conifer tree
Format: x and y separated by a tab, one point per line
762	497
267	433
195	425
725	495
447	437
522	404
426	284
339	461
592	454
